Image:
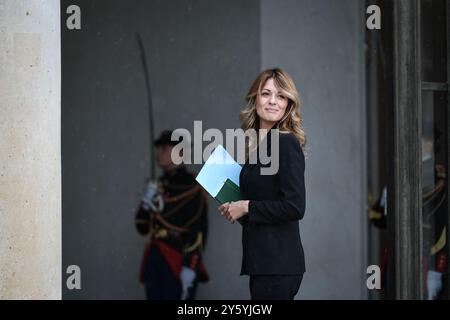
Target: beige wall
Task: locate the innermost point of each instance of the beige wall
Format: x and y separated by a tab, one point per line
30	163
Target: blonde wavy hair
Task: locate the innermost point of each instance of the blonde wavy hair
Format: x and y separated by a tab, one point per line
291	121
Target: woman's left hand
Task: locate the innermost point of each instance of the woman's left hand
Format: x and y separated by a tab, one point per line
234	210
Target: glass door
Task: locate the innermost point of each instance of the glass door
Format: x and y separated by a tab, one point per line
434	140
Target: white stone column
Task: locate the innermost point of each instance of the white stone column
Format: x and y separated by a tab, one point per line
30	161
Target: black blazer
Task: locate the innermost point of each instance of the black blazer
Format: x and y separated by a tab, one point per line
270	235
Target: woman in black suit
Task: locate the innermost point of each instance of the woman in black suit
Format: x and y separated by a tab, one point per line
272	250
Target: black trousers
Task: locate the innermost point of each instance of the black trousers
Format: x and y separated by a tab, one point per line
274	287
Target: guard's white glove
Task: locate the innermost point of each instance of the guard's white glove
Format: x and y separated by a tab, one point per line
434	284
152	198
187	277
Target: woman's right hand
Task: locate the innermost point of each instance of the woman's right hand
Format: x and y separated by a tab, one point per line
234	210
224	211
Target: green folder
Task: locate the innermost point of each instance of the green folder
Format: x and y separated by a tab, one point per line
228	192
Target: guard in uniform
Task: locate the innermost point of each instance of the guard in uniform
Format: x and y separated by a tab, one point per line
173	213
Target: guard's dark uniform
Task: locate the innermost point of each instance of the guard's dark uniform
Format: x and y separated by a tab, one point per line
176	236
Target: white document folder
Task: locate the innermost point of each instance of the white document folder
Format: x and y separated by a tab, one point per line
219	167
